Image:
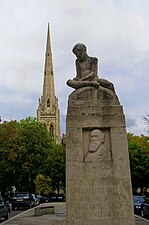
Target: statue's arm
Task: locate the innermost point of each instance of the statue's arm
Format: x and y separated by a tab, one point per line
78	72
95	67
89	77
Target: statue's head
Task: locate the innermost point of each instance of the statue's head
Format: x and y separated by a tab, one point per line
80	51
97	138
79	47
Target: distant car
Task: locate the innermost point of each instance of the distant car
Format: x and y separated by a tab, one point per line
42	199
60	198
55	197
37	201
137	202
22	199
4	209
145	208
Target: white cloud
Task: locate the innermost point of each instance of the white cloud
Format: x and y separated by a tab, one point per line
116	32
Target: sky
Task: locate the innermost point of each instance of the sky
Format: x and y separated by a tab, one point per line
114	31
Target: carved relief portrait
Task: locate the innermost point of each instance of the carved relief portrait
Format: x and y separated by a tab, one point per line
97	151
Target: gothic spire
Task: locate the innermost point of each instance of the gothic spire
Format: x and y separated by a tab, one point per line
48	111
48	87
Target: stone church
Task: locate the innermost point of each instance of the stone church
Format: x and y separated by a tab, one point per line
48	111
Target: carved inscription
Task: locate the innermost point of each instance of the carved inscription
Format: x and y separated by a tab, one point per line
87	169
99	199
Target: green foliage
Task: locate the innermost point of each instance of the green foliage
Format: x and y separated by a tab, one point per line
33	155
27	151
43	184
139	160
56	166
9	146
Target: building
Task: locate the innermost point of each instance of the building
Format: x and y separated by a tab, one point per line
48	111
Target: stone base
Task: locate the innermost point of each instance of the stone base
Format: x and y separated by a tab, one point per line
42	210
99	192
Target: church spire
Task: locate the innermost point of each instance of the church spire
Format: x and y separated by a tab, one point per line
48	111
48	86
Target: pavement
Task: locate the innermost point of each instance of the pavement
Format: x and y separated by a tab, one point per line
141	221
58	218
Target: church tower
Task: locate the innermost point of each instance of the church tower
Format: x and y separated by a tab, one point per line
48	111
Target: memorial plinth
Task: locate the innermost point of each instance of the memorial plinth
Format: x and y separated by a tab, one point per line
98	186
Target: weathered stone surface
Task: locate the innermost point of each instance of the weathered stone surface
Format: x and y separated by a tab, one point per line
87	71
42	210
98	191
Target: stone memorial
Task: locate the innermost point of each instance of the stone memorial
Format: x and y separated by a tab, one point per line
98	185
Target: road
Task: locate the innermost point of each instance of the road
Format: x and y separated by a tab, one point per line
13	213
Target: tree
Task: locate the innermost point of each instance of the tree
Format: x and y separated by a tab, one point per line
36	141
55	167
26	151
9	146
43	184
139	160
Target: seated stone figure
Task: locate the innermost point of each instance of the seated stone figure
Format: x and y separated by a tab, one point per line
86	68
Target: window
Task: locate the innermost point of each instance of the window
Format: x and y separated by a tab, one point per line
51	129
48	102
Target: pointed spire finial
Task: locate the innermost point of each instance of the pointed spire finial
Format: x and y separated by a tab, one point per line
48	47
